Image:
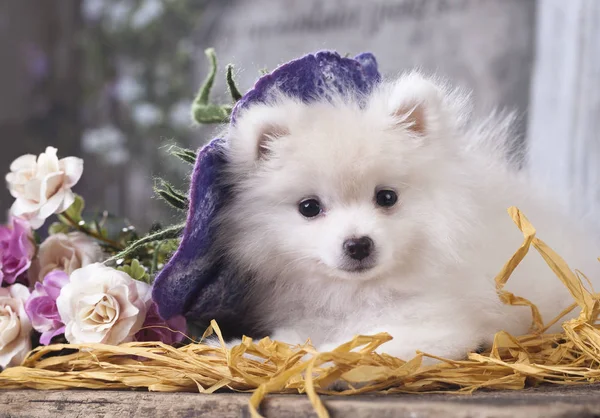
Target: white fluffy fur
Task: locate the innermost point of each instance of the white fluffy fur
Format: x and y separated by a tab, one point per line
438	249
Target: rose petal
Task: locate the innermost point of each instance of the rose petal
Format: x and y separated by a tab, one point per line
24	162
72	168
76	334
51	206
32	191
35	222
15	327
123	331
63	302
47	336
54	282
14	353
67	201
20	292
10	327
16	181
50	185
47	162
22	206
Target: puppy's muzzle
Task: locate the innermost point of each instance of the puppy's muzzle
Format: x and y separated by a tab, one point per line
358	248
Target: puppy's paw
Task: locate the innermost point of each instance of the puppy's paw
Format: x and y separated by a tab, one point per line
288	336
338	386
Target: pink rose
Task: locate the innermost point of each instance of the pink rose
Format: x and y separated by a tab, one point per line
41	306
16	250
65	252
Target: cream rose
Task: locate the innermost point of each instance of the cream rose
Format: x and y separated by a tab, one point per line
15	327
42	186
102	305
65	252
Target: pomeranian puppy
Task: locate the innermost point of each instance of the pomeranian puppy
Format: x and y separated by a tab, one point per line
389	214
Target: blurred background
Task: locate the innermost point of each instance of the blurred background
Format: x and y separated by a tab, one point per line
112	80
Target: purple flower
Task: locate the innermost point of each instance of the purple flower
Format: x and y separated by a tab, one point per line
41	306
157	329
16	250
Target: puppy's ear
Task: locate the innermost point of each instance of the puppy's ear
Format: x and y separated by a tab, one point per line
267	134
256	131
417	105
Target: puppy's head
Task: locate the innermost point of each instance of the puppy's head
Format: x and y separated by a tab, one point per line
334	189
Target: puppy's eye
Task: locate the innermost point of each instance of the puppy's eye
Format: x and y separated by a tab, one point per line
310	208
386	198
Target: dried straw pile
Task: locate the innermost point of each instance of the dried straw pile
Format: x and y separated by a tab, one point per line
571	357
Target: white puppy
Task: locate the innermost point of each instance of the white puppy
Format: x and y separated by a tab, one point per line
388	215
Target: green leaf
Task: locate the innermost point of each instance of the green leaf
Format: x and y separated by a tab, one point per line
204	93
98	229
171	200
136	271
211	113
76	209
58	228
204	112
233	90
172	196
187	155
156	257
36	239
173	191
188	158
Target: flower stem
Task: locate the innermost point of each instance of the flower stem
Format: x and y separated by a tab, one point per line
168	233
154	266
113	244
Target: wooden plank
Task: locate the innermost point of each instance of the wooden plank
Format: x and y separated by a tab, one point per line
541	402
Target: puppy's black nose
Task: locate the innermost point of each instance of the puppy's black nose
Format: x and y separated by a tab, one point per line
358	248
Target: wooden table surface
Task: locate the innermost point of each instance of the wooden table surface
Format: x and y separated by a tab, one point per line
563	402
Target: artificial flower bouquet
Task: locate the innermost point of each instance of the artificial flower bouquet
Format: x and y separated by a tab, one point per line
61	289
90	280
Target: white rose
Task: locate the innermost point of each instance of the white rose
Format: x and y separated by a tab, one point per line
42	187
15	327
66	252
102	305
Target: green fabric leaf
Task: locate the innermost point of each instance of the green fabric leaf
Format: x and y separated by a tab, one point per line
187	155
233	90
204	112
171	200
172	196
58	228
204	93
136	271
209	114
75	211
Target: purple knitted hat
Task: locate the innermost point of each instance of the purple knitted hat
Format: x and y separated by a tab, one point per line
196	282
